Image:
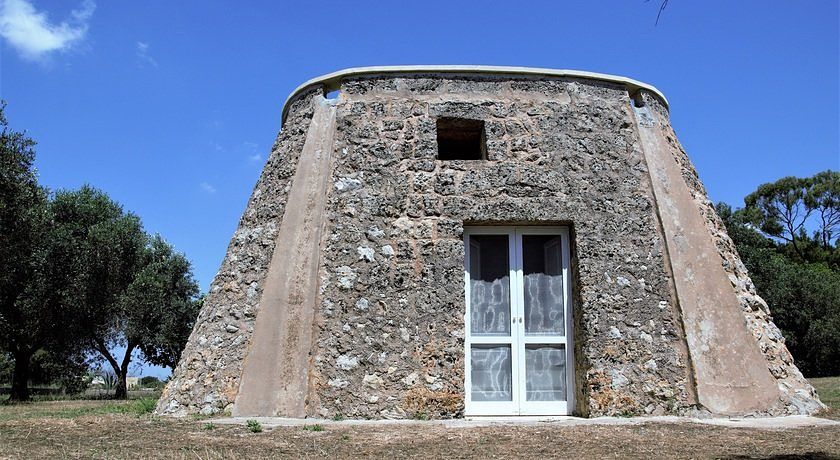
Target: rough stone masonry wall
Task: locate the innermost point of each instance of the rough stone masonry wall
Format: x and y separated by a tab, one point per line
797	396
390	333
207	377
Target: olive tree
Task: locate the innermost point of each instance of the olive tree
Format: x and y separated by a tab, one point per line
32	285
787	208
78	274
104	245
135	291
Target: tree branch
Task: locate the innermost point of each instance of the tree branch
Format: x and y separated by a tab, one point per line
99	344
661	9
127	357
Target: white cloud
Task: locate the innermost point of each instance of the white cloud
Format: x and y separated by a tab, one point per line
144	56
253	155
32	34
207	188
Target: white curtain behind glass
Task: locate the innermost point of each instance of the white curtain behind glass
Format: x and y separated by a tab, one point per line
490	307
544	304
491	373
545	373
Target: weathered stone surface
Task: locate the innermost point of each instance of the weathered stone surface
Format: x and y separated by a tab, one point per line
388	332
562	153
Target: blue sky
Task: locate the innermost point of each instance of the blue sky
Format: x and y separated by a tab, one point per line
171	107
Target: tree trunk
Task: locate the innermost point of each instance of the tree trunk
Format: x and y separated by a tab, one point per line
121	392
120	371
20	377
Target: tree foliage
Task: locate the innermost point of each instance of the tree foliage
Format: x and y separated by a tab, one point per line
34	282
161	304
797	273
823	198
784	209
154	312
134	292
78	275
104	246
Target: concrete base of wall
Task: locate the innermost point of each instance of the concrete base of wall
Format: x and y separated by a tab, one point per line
769	423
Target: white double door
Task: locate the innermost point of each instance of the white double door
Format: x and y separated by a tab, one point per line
518	357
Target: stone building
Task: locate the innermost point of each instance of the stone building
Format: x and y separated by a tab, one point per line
447	241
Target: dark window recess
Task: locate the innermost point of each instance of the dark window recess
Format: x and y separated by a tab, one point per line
461	139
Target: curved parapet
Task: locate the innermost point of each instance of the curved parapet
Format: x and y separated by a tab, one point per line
332	81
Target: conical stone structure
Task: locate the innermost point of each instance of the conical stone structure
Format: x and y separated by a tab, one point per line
467	240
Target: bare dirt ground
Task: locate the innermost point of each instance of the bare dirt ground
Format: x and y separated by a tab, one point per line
107	429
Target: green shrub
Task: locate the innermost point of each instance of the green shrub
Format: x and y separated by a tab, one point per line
803	295
315	427
7	365
144	406
151	381
253	426
109	379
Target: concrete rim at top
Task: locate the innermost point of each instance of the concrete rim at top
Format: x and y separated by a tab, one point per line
332	81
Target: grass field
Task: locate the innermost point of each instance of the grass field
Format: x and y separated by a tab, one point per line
75	408
127	429
829	390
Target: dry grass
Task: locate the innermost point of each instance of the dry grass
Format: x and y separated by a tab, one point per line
110	429
124	436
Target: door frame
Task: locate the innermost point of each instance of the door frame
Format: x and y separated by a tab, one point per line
517	339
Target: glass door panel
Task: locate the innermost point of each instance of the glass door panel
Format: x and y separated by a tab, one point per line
543	286
545	373
491	373
492	363
489	285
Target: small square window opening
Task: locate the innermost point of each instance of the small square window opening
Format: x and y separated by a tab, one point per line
461	139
